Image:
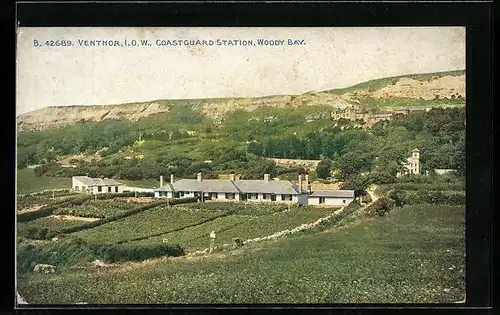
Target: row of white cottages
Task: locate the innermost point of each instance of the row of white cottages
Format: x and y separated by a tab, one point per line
264	190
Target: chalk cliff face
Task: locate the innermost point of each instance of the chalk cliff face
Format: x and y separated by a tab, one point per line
424	87
54	116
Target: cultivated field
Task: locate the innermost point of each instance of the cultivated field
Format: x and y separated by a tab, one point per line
120	249
414	254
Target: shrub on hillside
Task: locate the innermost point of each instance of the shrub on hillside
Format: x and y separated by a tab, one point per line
132	252
63	253
435	197
380	207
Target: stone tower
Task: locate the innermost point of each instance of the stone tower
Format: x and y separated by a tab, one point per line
415	161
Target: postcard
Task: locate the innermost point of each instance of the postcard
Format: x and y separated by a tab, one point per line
242	165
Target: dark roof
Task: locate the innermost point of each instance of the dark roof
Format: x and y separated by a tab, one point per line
228	186
167	187
267	187
333	193
97	181
206	185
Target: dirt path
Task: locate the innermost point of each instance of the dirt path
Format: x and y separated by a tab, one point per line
372	194
296	229
73	218
31	209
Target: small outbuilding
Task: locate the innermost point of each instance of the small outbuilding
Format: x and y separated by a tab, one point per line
96	185
331	197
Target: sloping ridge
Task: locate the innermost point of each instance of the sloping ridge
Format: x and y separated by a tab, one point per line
428	86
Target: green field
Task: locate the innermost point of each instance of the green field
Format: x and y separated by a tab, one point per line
28	183
96	208
415	254
243	227
149	222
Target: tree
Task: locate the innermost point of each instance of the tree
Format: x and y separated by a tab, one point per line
358	183
324	168
353	163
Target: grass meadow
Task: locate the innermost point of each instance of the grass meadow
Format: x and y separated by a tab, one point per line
415	254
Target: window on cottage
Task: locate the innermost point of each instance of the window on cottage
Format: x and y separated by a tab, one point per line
343	201
264	196
77	188
116	189
99	188
215	195
181	194
229	195
109	189
321	200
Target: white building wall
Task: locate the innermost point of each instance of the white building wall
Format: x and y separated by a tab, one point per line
330	201
337	201
169	194
313	200
76	183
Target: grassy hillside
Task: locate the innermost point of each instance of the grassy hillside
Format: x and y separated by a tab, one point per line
28	183
415	254
373	85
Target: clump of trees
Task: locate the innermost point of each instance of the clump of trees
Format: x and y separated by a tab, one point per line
357	157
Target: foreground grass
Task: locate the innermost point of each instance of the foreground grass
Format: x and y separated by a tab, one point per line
415	254
28	183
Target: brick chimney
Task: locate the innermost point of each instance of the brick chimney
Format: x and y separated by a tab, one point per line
199	177
300	183
171	178
308	185
266	177
161	180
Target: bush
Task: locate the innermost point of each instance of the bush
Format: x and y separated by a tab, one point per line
128	252
380	207
63	253
435	197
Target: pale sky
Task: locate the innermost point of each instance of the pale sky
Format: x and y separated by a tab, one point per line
331	58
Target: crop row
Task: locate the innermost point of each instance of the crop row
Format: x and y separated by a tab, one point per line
152	221
96	208
239	226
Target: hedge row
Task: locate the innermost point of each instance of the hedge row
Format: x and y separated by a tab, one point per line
49	208
132	252
126	214
427	196
75	251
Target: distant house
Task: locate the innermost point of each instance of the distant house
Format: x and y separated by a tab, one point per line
231	189
261	190
331	197
350	113
96	185
444	171
403	111
412	166
375	118
310	118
